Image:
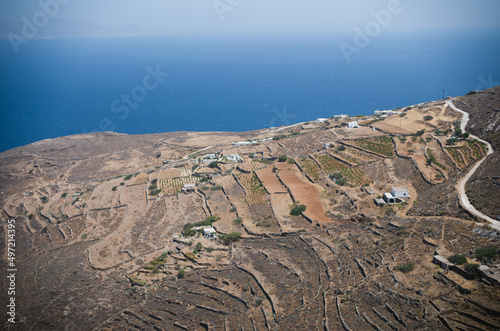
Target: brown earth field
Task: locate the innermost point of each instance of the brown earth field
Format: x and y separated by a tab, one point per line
108	237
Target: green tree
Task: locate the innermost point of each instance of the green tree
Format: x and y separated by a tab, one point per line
457	259
297	210
487	252
282	158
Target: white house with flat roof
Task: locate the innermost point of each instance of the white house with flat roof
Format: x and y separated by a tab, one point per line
400	192
353	125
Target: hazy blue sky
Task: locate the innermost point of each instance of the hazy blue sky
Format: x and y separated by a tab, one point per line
271	16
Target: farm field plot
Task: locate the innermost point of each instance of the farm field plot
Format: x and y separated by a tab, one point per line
171	173
355	176
379	145
302	191
253	188
356	156
141	178
174	185
329	164
310	167
457	156
270	181
253	165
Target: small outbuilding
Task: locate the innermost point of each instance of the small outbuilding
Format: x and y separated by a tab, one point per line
209	233
189	188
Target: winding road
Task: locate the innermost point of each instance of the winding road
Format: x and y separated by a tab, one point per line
464	200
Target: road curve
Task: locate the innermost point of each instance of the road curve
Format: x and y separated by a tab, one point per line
464	200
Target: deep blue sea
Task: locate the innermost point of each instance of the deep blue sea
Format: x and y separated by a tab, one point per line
59	87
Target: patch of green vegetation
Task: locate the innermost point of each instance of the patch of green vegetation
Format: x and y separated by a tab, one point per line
420	132
64	195
487	252
189	232
44	230
233	209
198	248
44	199
136	281
114	188
214	164
432	159
282	158
472	268
238	221
458	259
290	161
296	209
181	273
405	268
229	238
428	118
380	145
216	188
128	177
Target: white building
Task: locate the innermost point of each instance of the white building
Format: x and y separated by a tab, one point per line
209	233
321	120
353	125
234	158
189	188
340	116
242	143
400	192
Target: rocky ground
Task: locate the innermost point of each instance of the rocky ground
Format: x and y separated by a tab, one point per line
100	220
484	110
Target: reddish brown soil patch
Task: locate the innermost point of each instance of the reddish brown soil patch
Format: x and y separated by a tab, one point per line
302	191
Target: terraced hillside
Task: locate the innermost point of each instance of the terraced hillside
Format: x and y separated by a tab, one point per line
107	240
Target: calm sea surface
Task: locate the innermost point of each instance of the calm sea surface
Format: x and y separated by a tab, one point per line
53	88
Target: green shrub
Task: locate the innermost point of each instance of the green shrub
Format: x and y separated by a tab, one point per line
341	148
428	118
297	210
290	161
213	164
405	268
64	195
457	259
198	248
230	238
487	252
238	221
472	268
181	273
282	158
233	209
128	177
114	188
44	199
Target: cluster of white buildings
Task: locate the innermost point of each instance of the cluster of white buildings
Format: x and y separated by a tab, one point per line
386	113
